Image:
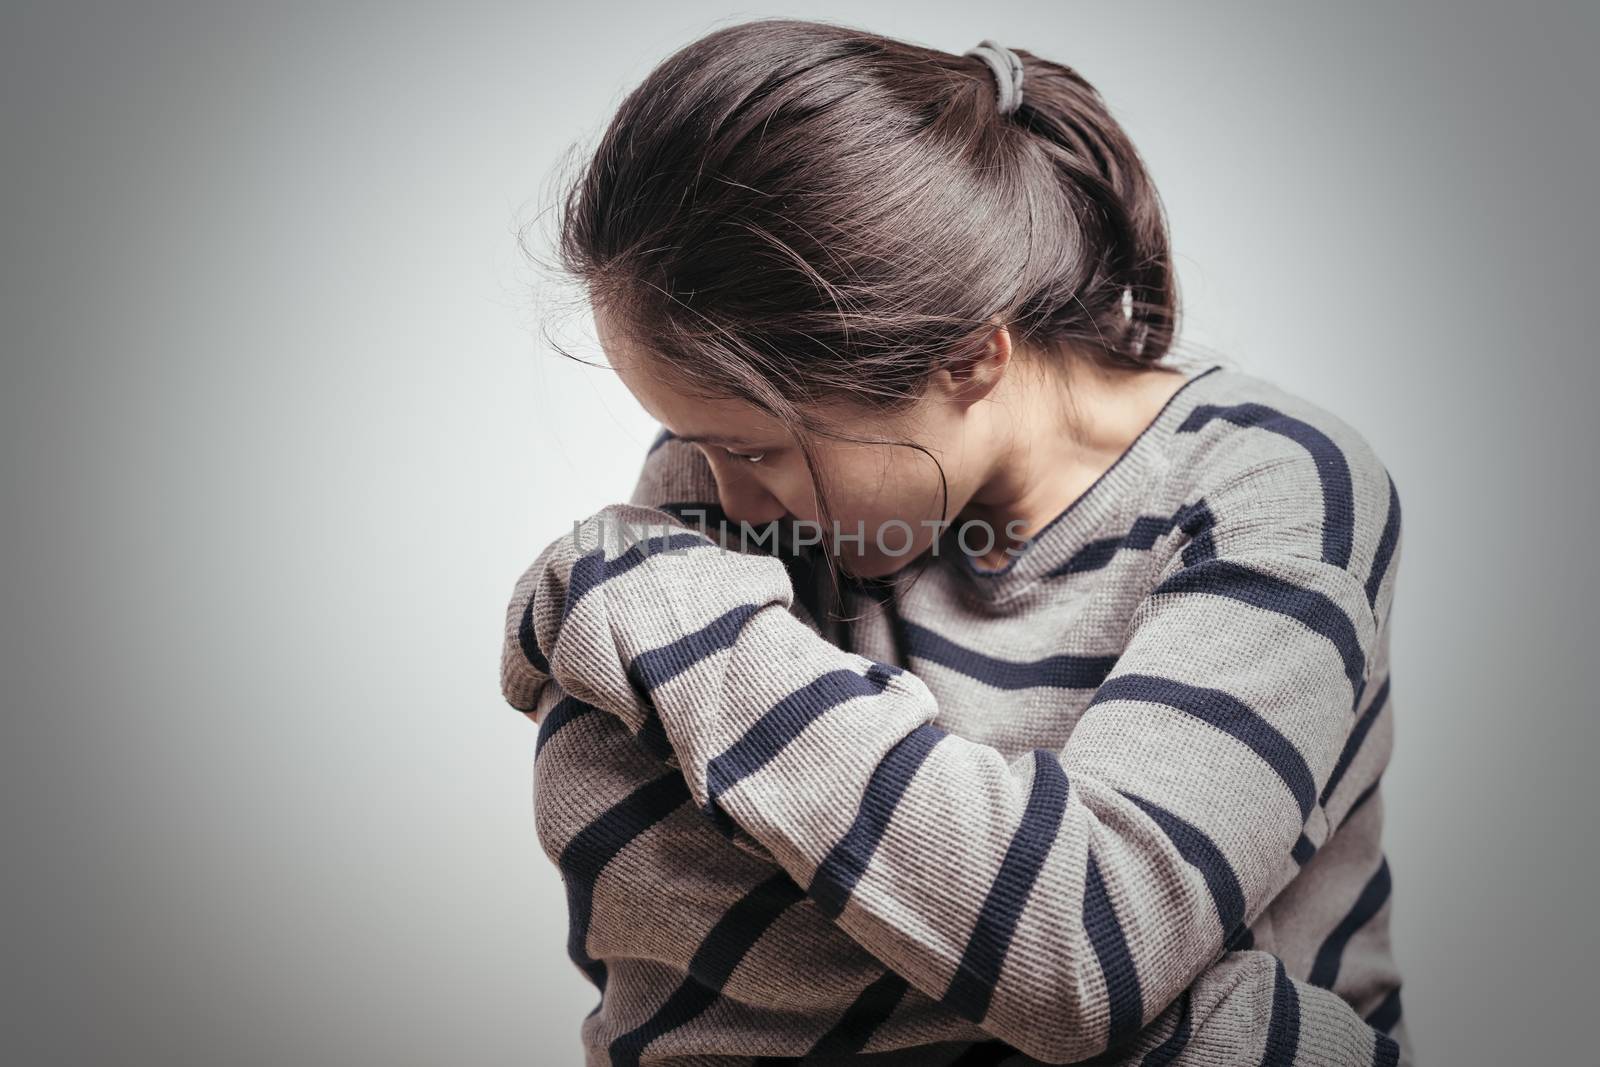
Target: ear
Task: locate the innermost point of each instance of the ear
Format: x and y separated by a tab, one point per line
969	380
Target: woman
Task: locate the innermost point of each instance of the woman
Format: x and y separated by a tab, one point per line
964	683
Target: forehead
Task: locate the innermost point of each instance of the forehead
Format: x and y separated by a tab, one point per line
671	403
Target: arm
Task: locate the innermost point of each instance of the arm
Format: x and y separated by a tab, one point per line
1239	1008
1065	899
1246	1009
676	478
1242	1004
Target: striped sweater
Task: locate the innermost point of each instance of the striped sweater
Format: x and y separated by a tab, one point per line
1118	802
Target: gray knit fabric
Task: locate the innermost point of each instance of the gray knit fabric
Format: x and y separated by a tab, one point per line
1120	800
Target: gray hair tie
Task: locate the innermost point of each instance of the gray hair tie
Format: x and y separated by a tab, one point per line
1007	72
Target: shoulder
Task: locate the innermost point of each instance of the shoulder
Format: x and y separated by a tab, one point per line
1271	470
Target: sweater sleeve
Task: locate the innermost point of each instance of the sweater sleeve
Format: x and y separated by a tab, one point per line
1245	1008
1061	900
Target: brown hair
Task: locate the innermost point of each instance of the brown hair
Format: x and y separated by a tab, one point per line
790	211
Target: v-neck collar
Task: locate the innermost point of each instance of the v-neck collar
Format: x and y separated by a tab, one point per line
1089	515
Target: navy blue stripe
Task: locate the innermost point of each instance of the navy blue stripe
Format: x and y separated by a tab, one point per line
1366	795
1060	672
806	563
586	573
1170	1049
1386	545
1145	531
1373	895
785	721
810	580
587	854
640	551
1352	744
685	1003
714	522
1319	612
656	666
592	568
528	639
1227	713
711	520
1243	939
1385	1051
861	1020
898	632
706	514
1303	850
1091	557
1283	1030
713	963
565	710
661	438
1386	1014
1197	521
1338	492
652	736
743	925
1203	854
972	986
1116	962
650	670
848	859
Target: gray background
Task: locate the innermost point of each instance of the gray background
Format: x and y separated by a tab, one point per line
280	430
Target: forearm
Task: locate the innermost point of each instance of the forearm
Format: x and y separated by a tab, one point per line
1240	1006
1246	1009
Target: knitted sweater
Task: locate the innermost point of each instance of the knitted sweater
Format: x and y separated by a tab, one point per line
1119	801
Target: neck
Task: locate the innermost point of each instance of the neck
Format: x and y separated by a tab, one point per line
1055	434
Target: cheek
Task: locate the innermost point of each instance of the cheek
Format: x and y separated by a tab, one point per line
791	487
904	488
891	498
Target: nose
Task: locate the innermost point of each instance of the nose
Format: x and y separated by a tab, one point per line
744	499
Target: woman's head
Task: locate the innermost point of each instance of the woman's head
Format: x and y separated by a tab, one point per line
834	240
891	475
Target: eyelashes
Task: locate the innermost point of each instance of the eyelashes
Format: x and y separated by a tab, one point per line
743	457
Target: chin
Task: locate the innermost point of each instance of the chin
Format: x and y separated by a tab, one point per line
875	566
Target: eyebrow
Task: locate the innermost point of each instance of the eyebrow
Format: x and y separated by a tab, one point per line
712	439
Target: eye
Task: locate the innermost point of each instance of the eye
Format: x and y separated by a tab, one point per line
748	457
